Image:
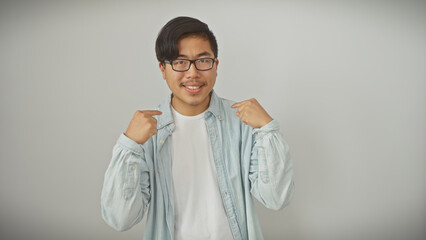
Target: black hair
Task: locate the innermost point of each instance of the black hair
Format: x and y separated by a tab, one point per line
176	29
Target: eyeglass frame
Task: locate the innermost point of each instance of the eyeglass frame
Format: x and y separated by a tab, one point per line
190	63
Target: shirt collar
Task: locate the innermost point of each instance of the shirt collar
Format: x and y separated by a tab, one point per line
166	117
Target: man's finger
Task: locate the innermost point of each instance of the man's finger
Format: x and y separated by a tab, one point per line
152	112
238	104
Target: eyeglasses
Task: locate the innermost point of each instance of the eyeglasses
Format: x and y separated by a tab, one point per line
183	65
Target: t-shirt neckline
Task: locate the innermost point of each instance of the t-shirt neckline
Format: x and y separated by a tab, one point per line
195	117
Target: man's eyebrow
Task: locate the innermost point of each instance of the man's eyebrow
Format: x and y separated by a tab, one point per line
202	54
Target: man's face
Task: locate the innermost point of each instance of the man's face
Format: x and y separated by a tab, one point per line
191	89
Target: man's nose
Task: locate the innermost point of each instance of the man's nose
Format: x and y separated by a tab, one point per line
192	71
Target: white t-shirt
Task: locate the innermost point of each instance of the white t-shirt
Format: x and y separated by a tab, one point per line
199	211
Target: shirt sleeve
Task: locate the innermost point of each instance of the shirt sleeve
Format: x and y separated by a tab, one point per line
271	167
126	189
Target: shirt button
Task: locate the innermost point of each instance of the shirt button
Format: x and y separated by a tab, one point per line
161	141
133	167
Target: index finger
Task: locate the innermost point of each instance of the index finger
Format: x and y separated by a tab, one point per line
152	112
238	104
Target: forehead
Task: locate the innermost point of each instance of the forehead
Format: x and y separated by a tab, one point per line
192	46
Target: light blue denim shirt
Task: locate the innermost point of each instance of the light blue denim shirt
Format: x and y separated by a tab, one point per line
249	162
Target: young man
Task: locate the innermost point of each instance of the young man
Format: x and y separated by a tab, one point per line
197	160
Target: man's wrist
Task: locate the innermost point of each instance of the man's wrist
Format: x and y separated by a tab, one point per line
130	144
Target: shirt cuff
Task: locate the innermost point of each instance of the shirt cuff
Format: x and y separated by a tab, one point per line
131	145
269	127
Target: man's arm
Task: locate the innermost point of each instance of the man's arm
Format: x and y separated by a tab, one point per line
126	190
271	167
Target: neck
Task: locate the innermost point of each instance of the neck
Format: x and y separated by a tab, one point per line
190	110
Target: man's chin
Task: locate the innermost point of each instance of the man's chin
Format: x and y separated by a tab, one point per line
195	102
197	99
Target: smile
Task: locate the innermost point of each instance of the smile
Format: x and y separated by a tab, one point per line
193	89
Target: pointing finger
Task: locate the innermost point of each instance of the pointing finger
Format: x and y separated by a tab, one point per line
238	104
152	112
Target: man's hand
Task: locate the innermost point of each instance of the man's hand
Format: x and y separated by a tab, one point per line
142	126
252	113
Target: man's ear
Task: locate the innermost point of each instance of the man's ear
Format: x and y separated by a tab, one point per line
217	64
162	69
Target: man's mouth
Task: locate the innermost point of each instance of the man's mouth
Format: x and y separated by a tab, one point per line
193	88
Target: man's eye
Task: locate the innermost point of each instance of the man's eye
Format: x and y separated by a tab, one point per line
179	62
204	60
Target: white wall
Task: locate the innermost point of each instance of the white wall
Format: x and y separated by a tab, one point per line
346	81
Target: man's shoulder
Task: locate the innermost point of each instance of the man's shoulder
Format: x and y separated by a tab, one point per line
226	102
225	105
220	105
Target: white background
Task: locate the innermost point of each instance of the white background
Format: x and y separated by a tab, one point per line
345	79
